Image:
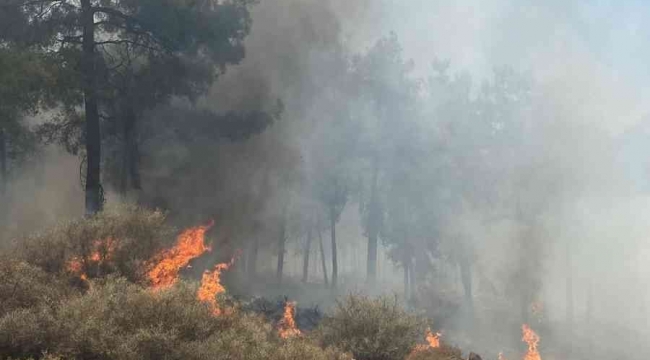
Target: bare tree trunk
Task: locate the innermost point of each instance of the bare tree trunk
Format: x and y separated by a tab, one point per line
3	162
335	265
242	263
134	151
569	297
252	258
413	277
305	257
130	151
282	241
373	229
124	172
590	302
322	256
406	280
94	201
466	279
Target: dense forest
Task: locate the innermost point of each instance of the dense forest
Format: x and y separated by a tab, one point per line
321	154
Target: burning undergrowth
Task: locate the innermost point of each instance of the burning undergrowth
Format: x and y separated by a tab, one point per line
305	319
135	304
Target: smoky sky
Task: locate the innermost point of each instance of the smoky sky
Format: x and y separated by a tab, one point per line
590	63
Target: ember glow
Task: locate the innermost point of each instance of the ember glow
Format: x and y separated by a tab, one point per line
102	252
190	244
532	339
287	327
211	286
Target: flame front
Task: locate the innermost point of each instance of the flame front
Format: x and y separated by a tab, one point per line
287	327
532	339
211	286
190	244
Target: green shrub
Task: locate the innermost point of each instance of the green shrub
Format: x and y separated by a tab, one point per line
371	329
125	237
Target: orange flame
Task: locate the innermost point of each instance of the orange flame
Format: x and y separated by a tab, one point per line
433	339
532	339
102	252
211	286
189	245
501	357
287	327
75	266
433	342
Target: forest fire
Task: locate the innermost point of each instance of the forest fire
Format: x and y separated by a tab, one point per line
190	244
211	286
102	251
433	342
532	339
287	327
433	339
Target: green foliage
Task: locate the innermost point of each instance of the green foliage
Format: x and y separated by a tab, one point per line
372	329
128	236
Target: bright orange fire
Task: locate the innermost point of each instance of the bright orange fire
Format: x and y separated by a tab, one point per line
287	327
102	251
189	245
532	339
211	286
433	342
433	339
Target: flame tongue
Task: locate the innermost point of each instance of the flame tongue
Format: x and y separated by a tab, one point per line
189	245
433	339
532	339
211	286
433	342
287	327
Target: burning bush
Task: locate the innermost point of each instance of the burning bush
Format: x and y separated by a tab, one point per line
117	241
119	320
372	329
307	319
116	319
